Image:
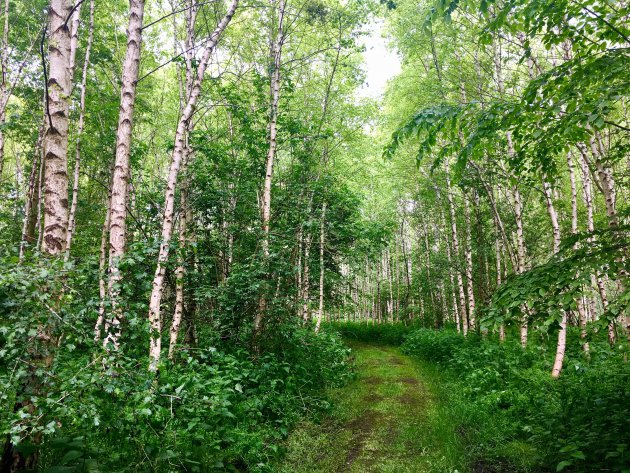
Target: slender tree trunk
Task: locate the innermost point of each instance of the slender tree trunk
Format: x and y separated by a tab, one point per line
121	175
607	183
276	54
273	126
298	277
497	249
322	241
102	266
55	142
587	193
496	215
469	268
77	159
562	332
455	240
75	22
180	274
33	195
390	308
306	280
520	254
397	269
38	214
378	311
574	229
427	253
4	92
155	346
449	259
610	197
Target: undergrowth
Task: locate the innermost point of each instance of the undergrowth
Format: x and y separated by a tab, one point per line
514	417
510	414
213	410
383	333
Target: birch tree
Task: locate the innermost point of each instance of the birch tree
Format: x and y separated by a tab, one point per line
177	156
55	141
116	214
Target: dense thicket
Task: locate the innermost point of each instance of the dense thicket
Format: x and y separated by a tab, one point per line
188	188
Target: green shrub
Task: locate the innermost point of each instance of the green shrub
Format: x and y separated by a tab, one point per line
512	413
386	333
216	407
209	411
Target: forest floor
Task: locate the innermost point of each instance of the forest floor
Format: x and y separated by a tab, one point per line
387	420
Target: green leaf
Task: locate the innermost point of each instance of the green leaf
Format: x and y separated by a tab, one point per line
563	464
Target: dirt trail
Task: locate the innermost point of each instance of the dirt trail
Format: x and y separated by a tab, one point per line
378	425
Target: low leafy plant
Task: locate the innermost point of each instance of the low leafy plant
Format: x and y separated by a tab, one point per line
512	413
386	333
218	406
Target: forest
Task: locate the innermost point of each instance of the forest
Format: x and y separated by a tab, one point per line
223	250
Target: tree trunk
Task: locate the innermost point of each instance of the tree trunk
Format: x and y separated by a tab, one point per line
4	59
121	175
320	312
390	308
276	54
562	332
55	141
33	195
469	268
449	259
497	249
520	255
455	240
306	280
587	193
77	159
102	266
155	346
574	229
180	274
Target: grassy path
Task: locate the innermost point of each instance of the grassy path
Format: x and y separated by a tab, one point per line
388	420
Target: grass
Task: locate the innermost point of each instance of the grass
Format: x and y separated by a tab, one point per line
388	420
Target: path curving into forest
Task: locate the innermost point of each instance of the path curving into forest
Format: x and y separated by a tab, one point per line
383	421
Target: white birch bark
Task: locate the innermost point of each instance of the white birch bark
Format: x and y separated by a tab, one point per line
390	307
31	205
4	92
80	127
562	332
581	302
55	141
520	255
273	130
322	241
102	267
180	274
590	225
155	345
276	56
306	280
469	268
455	240
497	249
120	179
180	271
